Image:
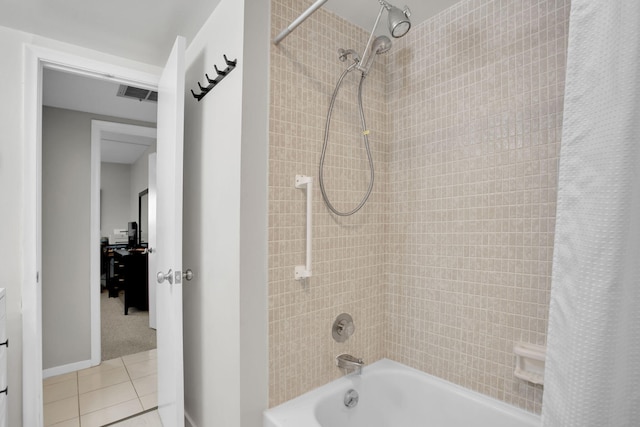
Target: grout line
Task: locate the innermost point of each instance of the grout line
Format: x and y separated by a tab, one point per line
132	416
136	390
110	406
130	380
57	397
126	368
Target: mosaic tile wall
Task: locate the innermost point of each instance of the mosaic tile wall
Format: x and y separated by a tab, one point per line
348	253
449	263
475	105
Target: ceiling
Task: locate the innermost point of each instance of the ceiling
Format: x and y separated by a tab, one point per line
144	30
90	95
363	12
116	147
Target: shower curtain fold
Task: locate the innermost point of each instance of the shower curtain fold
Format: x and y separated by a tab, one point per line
593	358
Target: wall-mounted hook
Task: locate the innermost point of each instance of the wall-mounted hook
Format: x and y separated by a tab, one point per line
198	96
230	63
212	82
220	73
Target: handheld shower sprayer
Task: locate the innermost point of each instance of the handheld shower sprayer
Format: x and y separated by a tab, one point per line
381	44
399	24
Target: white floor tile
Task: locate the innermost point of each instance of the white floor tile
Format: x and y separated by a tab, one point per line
149	401
106	397
142	369
102	379
60	410
146	385
150	419
116	389
59	378
60	390
104	366
139	357
69	423
111	414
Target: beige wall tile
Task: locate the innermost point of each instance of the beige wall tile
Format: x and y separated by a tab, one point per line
348	253
449	263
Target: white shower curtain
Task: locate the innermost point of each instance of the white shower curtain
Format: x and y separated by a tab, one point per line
592	374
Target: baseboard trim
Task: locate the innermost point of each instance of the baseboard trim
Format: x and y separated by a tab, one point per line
65	369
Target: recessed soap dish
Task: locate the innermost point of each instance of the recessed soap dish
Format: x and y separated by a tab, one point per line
530	362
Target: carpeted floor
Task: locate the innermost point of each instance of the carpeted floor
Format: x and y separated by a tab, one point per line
123	335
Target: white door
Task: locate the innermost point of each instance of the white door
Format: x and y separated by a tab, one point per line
169	238
151	239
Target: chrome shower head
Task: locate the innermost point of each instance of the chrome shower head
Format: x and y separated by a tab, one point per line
399	23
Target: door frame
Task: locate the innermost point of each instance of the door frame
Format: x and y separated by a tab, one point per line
36	58
97	128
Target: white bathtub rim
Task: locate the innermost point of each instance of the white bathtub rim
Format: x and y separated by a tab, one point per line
304	404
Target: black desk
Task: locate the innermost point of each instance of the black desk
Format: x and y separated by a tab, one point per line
128	271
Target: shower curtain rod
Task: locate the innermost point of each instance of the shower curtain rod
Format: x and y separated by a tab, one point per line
298	21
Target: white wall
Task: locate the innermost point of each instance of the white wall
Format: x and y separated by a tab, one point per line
225	306
13	162
254	317
115	197
11	186
212	224
225	357
66	172
139	181
66	164
121	185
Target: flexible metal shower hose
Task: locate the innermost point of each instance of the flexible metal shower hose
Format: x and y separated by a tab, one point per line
326	141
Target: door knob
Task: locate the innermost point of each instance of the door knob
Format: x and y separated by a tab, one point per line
188	275
168	276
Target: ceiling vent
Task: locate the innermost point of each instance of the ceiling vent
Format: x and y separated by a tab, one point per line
137	93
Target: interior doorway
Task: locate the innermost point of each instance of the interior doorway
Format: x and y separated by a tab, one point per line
119	378
169	81
127	310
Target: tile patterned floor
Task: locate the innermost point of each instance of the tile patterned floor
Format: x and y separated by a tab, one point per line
149	419
114	390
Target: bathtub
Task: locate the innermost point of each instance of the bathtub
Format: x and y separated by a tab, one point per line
391	394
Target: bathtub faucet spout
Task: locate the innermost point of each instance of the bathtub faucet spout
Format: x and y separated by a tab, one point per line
349	363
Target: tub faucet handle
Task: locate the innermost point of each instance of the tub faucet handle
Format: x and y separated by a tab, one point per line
343	327
349	363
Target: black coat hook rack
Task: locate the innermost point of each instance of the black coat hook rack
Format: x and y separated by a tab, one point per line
212	82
